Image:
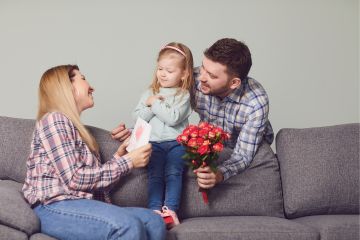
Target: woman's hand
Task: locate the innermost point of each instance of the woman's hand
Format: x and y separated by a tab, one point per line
151	100
122	148
140	156
120	133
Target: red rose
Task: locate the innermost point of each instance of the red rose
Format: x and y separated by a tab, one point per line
203	133
218	147
182	138
203	125
192	142
203	149
211	134
225	136
206	142
194	133
199	141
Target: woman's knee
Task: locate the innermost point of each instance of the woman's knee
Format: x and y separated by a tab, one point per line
156	227
132	228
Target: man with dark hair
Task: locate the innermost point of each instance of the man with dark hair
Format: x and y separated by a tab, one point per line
225	96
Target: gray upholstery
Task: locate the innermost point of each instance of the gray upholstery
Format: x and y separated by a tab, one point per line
334	227
15	212
258	188
14	147
40	236
244	228
319	170
135	182
258	191
8	233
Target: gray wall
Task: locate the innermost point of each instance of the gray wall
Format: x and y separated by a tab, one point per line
305	53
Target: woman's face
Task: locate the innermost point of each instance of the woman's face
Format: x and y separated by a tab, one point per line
82	91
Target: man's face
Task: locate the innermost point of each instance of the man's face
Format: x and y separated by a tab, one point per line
214	79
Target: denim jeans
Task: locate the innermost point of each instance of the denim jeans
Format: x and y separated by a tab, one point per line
165	171
91	219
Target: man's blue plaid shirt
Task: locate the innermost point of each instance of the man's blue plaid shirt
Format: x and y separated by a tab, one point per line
244	114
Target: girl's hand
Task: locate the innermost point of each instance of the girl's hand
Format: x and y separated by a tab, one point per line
122	148
140	156
151	100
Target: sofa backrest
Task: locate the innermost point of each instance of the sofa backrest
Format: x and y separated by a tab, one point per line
257	191
15	138
319	169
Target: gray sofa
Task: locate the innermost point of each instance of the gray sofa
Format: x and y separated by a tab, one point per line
309	191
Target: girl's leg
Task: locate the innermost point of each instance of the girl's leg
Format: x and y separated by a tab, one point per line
174	169
156	177
91	219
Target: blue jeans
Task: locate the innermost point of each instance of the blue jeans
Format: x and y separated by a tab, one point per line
165	171
91	219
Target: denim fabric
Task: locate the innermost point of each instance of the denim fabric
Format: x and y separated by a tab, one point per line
91	219
165	170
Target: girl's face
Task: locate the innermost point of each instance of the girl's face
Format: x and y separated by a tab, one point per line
169	71
82	91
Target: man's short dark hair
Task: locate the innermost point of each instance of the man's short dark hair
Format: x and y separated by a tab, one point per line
235	55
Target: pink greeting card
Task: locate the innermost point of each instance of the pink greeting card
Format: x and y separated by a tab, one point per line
140	135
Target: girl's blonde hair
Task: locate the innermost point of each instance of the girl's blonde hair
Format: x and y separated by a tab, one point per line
187	64
56	95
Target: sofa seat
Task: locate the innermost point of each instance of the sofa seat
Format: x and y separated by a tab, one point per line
242	227
333	227
15	211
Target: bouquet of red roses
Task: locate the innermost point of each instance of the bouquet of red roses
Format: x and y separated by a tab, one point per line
202	143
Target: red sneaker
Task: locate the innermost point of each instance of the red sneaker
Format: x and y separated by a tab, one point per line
170	217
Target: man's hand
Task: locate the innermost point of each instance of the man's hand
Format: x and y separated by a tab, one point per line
206	178
120	133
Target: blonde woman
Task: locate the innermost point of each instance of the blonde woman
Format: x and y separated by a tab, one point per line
66	183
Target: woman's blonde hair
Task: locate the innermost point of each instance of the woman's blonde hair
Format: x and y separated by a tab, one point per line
56	95
187	65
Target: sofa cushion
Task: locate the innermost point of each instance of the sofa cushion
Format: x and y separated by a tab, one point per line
15	211
14	147
319	170
131	190
333	227
254	192
241	227
9	233
41	236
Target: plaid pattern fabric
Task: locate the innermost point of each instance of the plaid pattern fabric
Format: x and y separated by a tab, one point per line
244	114
61	166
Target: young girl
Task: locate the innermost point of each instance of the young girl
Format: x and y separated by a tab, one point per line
166	106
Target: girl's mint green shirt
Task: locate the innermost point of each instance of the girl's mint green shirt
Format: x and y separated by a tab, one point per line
168	117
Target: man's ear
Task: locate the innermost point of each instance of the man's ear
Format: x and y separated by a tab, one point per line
235	83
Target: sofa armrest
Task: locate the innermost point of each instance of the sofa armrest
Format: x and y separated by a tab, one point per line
15	211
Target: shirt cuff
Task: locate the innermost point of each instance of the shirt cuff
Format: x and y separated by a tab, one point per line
124	163
225	172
